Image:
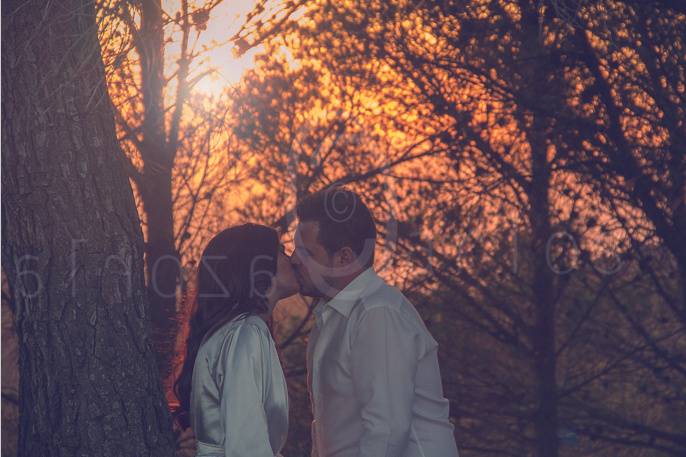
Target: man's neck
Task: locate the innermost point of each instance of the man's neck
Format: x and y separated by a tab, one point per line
344	282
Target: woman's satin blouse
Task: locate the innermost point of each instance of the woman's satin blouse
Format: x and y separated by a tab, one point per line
239	400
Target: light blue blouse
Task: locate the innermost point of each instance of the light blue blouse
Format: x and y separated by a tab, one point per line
239	399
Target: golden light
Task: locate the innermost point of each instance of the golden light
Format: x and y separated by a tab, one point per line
213	45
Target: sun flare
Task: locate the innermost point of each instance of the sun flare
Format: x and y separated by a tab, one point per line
216	59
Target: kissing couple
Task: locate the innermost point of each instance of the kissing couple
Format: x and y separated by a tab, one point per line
372	367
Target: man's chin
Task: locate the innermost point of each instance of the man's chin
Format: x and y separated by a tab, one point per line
307	290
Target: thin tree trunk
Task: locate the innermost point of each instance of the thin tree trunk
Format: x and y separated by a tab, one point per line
162	265
162	259
539	80
543	338
72	246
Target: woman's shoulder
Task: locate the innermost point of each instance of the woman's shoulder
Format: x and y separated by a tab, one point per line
245	338
249	329
256	322
252	327
242	327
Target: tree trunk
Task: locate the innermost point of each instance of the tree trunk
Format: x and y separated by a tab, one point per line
72	246
543	338
538	74
162	265
162	259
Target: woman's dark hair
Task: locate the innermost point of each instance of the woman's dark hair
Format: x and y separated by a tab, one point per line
344	220
234	274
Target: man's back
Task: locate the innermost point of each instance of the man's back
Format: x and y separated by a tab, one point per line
374	377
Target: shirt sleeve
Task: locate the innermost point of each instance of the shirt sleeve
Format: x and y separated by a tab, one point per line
384	363
246	431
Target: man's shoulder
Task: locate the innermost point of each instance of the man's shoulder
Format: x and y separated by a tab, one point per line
385	296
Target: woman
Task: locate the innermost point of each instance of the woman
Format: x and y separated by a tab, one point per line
231	384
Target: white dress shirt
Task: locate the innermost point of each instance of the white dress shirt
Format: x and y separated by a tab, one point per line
239	400
373	377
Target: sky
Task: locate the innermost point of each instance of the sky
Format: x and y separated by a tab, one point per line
225	20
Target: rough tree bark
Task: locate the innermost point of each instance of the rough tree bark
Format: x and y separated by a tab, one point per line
72	246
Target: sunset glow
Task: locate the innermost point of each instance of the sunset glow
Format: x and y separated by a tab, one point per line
216	51
497	187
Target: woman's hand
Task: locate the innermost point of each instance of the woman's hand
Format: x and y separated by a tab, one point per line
185	442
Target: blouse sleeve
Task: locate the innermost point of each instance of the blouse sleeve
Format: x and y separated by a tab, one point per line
246	431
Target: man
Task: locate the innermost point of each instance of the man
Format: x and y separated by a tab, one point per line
373	372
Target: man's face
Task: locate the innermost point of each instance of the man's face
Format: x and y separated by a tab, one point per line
311	261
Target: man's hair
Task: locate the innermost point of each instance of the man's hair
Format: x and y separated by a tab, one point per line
344	220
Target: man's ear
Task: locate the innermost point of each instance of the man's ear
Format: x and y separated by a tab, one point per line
345	256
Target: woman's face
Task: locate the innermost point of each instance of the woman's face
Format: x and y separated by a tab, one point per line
286	281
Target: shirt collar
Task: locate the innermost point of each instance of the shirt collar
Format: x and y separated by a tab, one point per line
346	298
